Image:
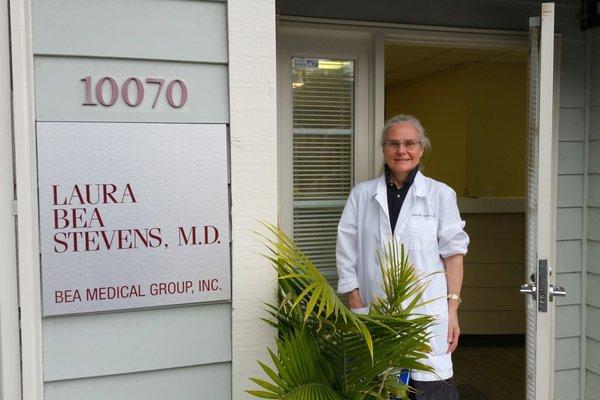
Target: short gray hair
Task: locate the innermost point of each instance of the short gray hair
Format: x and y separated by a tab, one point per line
409	119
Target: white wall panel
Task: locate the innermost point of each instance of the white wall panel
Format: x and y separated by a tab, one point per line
573	57
568	255
59	79
192	383
570	190
570	158
567	353
571	281
572	91
595	59
595	88
567	22
594	122
594	224
566	386
594	159
593	322
593	355
161	30
593	256
592	385
569	223
594	190
116	343
571	124
593	289
568	321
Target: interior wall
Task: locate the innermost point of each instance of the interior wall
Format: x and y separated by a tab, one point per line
496	130
440	102
475	116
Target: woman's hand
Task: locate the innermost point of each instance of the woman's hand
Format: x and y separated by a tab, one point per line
453	330
354	300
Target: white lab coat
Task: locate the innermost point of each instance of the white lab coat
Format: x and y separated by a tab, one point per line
429	226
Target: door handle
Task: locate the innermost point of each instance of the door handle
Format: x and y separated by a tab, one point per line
530	288
556	291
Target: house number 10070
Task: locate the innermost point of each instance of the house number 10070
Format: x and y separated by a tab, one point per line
92	98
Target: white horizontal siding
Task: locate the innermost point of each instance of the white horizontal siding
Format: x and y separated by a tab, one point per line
593	289
193	30
191	383
569	223
593	355
571	281
593	322
569	255
594	190
570	190
572	124
566	386
594	160
116	343
592	283
572	91
592	385
594	132
567	353
573	57
568	321
570	227
570	158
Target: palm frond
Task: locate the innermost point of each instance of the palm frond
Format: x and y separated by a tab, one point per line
304	286
325	351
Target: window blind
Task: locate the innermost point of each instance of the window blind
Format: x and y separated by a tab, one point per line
323	127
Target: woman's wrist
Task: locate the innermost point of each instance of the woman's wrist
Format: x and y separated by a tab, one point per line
354	300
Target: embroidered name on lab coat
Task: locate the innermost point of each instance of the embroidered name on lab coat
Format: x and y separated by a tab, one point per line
423	215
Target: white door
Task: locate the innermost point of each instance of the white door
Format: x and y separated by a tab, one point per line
323	133
541	211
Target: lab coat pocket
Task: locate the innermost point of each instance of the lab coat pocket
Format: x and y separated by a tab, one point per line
439	339
423	234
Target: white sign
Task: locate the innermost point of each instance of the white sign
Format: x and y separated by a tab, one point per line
132	215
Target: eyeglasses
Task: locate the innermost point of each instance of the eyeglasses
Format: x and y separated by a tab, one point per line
408	145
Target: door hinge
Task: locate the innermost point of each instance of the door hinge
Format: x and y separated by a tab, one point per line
13	207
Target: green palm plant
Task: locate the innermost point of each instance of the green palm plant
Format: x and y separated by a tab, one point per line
327	352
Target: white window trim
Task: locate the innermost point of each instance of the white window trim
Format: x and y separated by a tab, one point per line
253	146
345	45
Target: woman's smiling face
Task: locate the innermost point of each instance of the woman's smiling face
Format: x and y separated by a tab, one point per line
399	159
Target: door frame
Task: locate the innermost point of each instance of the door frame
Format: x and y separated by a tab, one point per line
23	113
381	33
10	347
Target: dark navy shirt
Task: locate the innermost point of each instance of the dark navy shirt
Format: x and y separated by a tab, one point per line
396	195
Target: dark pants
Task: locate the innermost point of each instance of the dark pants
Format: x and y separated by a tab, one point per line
434	390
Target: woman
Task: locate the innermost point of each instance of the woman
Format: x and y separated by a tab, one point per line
422	214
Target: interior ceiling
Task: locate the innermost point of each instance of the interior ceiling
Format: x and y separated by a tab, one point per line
407	62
